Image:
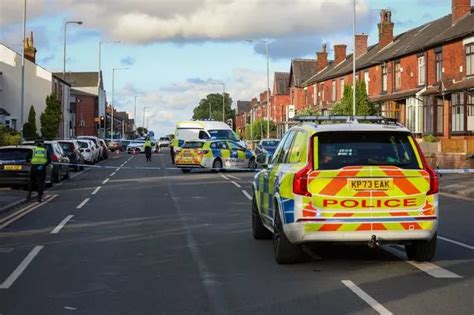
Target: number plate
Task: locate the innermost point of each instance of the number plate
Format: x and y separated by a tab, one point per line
370	184
12	167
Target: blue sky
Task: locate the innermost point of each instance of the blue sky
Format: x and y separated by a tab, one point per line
175	50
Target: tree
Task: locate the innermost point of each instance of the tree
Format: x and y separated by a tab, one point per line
9	136
363	106
258	129
29	128
215	102
308	111
51	118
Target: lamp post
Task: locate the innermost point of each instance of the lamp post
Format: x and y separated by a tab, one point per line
144	113
268	83
135	114
113	102
354	59
22	97
223	100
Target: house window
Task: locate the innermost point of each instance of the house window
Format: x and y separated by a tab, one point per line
315	95
322	92
398	76
384	78
305	96
439	66
342	88
421	70
470	59
433	121
334	91
439	116
366	80
462	117
428	115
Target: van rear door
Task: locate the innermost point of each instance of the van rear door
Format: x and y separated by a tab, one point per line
369	180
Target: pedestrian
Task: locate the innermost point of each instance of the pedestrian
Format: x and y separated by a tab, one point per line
147	147
39	161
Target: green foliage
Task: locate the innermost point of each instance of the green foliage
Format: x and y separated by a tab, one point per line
363	106
142	131
308	111
51	118
29	128
258	129
430	138
9	136
215	102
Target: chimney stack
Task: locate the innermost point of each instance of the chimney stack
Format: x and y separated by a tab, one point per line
460	8
339	53
29	48
385	28
361	44
322	59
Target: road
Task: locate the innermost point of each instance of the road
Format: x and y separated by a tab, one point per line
152	240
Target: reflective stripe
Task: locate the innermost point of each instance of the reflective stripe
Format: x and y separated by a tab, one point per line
39	156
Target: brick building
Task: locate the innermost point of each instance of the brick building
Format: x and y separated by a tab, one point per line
281	96
242	117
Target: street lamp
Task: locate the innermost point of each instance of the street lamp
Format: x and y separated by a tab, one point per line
144	111
22	97
354	59
268	82
113	102
223	100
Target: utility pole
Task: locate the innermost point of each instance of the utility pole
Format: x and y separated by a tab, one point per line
268	91
113	102
22	97
354	60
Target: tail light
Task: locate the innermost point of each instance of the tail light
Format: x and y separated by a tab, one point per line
54	158
434	184
300	179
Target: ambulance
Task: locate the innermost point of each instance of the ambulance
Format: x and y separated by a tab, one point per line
214	154
345	179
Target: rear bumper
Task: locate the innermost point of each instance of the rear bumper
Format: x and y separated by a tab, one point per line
298	233
14	179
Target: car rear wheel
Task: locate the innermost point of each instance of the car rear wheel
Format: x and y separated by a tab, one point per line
217	164
260	232
185	170
421	250
285	252
56	176
66	176
252	164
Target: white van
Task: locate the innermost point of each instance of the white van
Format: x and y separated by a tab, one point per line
203	130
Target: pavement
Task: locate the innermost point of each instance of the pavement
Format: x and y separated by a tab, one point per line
152	240
457	184
10	198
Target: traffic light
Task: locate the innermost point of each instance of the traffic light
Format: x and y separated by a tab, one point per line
102	122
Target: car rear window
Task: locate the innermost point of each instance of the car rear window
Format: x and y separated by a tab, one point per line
67	146
83	144
192	145
270	143
17	155
340	149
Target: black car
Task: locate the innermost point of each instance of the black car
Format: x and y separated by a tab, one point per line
59	160
15	167
72	150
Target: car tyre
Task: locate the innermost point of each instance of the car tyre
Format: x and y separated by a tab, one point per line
56	177
66	176
285	252
253	164
260	232
217	164
421	250
186	170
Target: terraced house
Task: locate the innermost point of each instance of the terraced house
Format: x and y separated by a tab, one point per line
423	77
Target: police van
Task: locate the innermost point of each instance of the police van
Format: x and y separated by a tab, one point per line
203	130
347	180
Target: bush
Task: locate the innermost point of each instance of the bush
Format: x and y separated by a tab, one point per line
430	138
9	136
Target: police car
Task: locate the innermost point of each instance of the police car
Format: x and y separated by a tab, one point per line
364	179
214	154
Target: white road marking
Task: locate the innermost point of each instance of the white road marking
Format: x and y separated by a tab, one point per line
456	196
379	308
236	184
247	194
224	177
83	203
118	169
96	190
455	242
21	267
233	177
430	268
105	181
21	213
112	174
61	224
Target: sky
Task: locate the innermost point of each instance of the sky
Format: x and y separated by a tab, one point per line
178	51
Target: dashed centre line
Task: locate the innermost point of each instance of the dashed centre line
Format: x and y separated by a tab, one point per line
21	267
224	177
379	308
236	184
249	197
105	181
455	242
233	177
96	190
83	203
61	224
112	174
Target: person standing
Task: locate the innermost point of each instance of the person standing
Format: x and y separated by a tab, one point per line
39	161
148	147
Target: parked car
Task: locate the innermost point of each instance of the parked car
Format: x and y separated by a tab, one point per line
137	146
58	158
113	145
72	150
124	144
96	143
265	149
15	167
105	150
164	142
86	149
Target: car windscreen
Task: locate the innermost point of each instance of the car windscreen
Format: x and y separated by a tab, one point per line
17	155
192	145
68	147
223	134
340	149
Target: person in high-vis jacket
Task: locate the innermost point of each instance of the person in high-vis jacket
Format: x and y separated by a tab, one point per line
39	161
148	145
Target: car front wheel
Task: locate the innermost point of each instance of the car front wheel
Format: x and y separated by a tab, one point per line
260	232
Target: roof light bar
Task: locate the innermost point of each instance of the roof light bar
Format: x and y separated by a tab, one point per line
345	118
